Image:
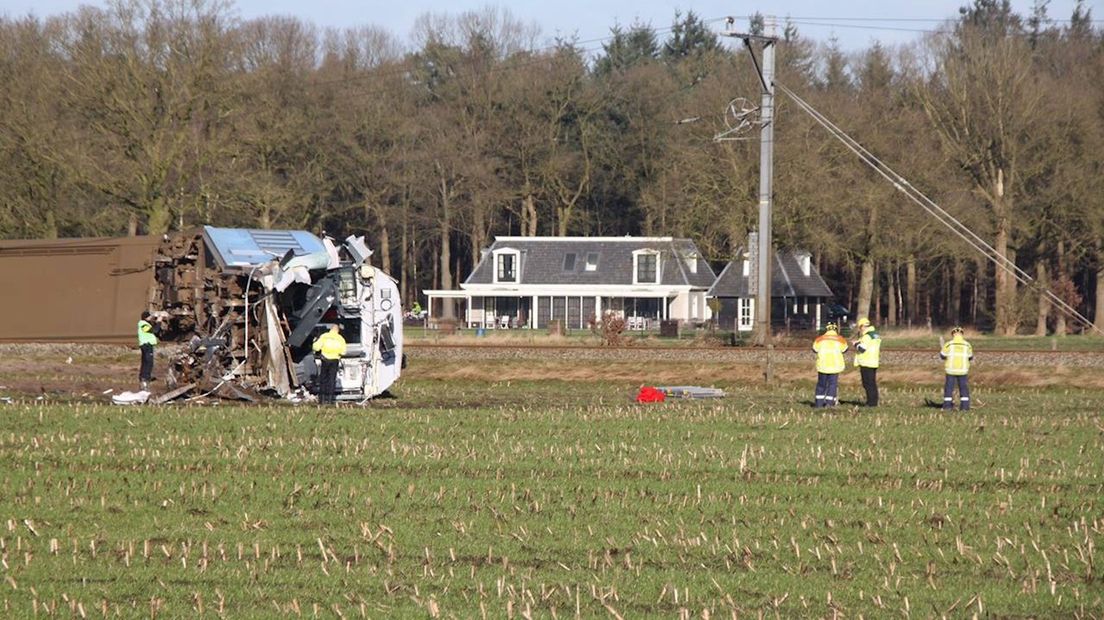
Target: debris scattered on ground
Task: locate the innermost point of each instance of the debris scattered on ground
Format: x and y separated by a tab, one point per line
171	394
691	391
658	394
131	398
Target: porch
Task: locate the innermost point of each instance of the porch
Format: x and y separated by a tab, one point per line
575	312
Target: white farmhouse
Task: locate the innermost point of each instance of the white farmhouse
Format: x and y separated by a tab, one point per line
530	281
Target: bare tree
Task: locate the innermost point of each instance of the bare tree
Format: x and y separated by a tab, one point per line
139	75
984	99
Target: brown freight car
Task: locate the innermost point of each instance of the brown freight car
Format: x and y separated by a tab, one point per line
74	290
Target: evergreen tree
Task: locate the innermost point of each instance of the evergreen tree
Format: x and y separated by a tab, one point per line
690	37
627	49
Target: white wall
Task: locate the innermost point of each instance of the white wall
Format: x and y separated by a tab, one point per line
706	311
678	307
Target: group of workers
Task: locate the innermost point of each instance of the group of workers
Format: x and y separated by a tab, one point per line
830	347
330	347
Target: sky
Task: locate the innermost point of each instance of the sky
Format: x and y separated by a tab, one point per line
591	19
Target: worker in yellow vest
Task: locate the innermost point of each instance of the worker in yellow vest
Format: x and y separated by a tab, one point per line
957	355
867	352
829	348
331	346
147	340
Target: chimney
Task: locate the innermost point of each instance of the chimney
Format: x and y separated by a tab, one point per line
805	261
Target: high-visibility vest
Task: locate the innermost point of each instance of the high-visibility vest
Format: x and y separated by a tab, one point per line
145	333
331	345
956	356
829	349
869	349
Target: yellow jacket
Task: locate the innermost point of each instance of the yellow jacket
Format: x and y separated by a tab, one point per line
331	345
829	349
145	333
868	349
956	356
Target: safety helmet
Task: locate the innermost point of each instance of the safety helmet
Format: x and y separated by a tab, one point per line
863	322
831	327
957	330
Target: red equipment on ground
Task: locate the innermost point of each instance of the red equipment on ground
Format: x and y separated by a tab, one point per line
649	394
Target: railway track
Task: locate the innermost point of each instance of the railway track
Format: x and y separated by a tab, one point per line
415	344
534	346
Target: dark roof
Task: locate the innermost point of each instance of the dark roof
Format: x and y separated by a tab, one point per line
787	279
542	260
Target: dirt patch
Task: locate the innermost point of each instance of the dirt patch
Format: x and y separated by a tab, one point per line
71	371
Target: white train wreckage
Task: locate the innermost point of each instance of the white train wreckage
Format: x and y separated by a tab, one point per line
248	305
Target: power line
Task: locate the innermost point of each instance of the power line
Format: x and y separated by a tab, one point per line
935	20
826	24
862	27
933	209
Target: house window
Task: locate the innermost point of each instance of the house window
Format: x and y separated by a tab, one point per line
647	268
746	268
592	261
745	309
569	261
506	268
692	263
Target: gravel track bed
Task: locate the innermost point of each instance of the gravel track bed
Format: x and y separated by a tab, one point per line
736	355
1073	359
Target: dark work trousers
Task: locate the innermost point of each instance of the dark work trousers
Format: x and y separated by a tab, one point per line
963	392
145	371
826	389
327	382
870	384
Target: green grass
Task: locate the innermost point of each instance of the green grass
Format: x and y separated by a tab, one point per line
552	498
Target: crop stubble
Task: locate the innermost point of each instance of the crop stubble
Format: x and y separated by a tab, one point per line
556	498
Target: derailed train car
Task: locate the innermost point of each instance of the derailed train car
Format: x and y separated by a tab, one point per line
249	304
246	304
74	290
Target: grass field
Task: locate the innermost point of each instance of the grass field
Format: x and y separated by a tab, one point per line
554	498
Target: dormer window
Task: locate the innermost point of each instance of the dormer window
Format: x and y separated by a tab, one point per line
591	261
506	266
645	267
692	263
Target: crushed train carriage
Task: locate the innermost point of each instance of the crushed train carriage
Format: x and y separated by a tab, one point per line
246	304
249	304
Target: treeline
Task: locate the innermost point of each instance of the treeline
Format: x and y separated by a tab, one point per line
156	115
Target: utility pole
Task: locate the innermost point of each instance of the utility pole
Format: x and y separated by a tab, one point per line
764	256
